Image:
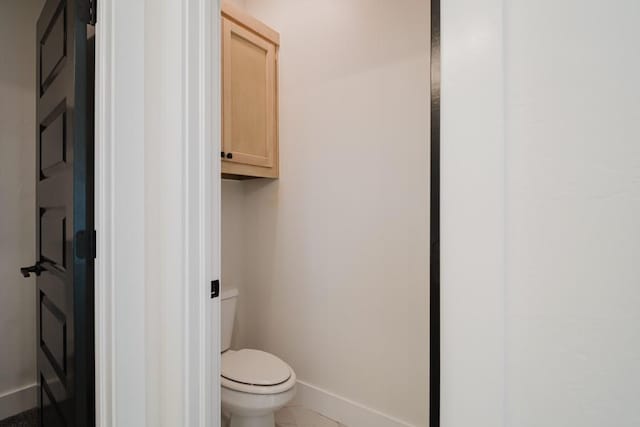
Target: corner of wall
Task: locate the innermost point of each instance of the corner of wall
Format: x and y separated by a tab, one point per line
19	400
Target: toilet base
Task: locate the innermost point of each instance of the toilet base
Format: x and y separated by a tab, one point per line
267	420
253	410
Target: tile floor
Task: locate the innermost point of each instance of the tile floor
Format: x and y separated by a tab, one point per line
289	416
299	416
25	419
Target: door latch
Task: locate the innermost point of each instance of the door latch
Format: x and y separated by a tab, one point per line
215	288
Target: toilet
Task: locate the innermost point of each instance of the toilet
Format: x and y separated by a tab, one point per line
254	383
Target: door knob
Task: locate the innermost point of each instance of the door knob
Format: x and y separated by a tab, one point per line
36	269
222	154
229	155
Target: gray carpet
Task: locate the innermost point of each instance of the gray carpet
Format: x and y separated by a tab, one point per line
25	419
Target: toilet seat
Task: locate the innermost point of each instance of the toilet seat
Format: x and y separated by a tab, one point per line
255	372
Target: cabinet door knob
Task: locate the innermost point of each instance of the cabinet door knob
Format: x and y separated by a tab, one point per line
222	154
229	155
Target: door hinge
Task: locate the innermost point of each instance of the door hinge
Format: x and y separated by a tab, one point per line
88	11
93	12
215	288
85	244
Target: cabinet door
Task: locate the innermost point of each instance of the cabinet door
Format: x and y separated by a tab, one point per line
248	92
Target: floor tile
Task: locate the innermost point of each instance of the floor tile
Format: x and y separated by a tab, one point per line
299	416
25	419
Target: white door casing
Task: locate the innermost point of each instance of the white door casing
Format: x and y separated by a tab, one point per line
157	213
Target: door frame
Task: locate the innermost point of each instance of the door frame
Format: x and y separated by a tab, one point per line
434	226
133	352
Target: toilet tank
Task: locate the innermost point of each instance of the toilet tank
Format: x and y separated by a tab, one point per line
227	316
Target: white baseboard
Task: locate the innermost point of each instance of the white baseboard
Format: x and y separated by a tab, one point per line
343	410
19	400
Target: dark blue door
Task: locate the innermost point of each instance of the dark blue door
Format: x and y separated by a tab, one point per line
64	198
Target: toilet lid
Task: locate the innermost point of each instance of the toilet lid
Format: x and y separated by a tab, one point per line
254	367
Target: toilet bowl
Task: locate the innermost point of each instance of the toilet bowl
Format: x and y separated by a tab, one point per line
254	383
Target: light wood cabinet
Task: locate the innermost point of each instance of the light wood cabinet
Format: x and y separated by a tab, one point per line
249	96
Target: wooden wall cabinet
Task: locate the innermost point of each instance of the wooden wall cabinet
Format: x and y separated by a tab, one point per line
249	96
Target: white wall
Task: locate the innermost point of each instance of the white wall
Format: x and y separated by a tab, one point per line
334	266
234	255
573	229
17	202
557	138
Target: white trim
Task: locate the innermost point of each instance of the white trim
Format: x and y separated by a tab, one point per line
119	187
215	118
341	409
103	283
19	400
157	213
472	214
201	211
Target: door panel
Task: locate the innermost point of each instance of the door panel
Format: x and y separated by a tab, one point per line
53	232
248	105
64	197
53	335
53	143
249	96
51	412
52	49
